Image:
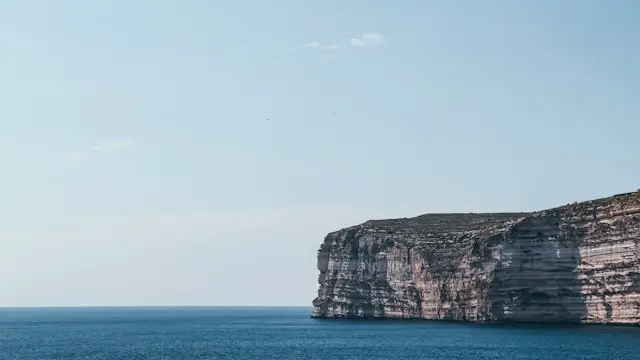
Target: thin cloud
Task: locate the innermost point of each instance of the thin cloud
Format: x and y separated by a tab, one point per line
331	47
367	39
101	148
318	45
356	42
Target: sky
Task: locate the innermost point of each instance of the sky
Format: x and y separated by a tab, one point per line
196	152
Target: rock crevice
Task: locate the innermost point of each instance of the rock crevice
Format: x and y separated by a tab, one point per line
578	263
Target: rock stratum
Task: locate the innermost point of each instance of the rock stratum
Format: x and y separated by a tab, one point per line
578	263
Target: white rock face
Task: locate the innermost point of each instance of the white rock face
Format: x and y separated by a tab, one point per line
578	263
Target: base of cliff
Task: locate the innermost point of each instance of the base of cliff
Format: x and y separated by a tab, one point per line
546	323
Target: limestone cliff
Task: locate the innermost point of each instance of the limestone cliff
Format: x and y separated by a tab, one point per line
575	263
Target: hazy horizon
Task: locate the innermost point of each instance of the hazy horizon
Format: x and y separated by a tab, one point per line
198	152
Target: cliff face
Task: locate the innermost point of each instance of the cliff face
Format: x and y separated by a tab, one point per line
578	263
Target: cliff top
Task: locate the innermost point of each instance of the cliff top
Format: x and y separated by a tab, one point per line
466	221
446	221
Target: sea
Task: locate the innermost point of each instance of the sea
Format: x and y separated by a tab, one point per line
242	333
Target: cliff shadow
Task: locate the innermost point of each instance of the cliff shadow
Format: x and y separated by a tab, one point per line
537	277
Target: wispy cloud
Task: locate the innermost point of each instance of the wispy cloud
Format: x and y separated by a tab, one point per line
367	39
318	45
110	146
331	47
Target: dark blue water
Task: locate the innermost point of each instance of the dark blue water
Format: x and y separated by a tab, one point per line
287	333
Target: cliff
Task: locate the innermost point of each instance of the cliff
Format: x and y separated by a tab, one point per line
578	263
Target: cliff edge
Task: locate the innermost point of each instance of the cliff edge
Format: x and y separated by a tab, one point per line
578	263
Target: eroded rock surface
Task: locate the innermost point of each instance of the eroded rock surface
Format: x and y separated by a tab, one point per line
576	263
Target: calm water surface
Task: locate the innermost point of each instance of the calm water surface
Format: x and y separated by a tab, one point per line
286	333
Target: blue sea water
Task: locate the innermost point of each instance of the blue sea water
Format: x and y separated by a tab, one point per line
287	333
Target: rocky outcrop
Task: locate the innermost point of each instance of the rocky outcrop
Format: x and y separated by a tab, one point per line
578	263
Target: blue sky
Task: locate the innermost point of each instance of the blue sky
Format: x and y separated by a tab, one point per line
140	167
